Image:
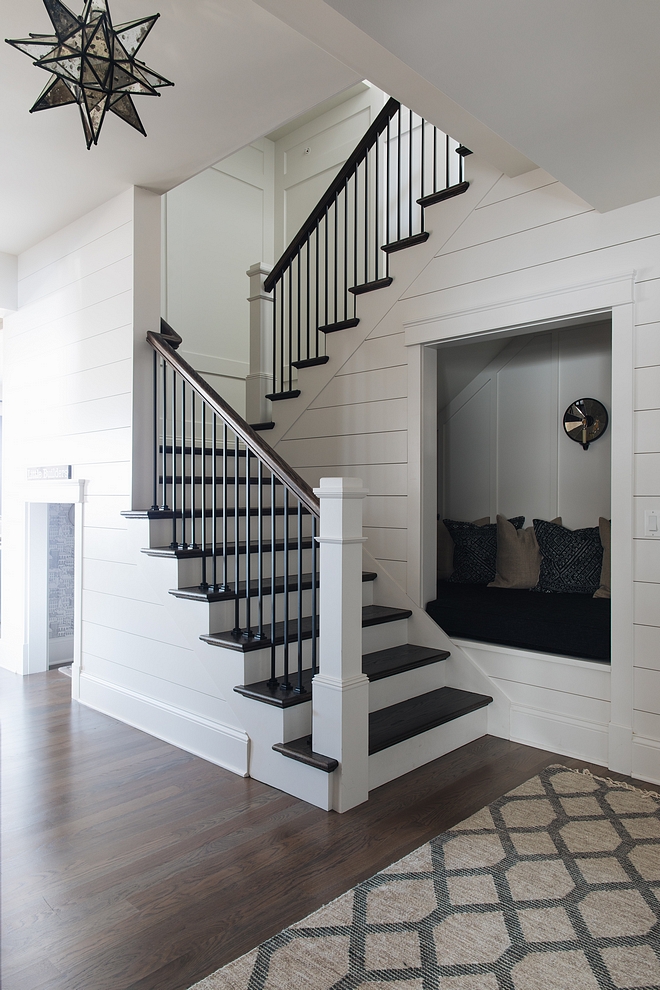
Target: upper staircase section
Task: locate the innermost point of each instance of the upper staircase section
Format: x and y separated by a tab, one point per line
374	207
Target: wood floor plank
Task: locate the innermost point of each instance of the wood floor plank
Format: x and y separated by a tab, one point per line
130	865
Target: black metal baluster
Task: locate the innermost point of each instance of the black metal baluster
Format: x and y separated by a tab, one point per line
410	173
388	197
273	682
154	503
193	499
355	237
421	208
290	333
346	250
237	535
447	177
286	684
260	538
204	584
335	314
377	208
325	263
298	327
309	247
316	292
299	687
282	378
174	542
366	216
164	505
182	544
314	593
225	510
247	633
398	176
214	504
275	338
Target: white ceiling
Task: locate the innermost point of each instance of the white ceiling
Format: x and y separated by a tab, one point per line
572	86
238	71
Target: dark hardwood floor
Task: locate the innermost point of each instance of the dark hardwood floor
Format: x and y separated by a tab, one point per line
131	865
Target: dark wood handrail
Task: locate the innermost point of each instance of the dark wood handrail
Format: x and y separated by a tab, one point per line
164	343
356	157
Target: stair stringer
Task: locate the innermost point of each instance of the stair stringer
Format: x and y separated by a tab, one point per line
461	671
443	219
257	726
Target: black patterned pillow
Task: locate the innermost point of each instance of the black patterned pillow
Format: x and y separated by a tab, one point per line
475	550
571	559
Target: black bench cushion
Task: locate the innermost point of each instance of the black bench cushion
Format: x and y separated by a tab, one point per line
566	624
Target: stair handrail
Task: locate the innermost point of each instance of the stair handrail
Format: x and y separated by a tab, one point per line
166	343
356	157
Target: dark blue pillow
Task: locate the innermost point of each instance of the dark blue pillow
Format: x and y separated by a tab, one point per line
475	550
571	559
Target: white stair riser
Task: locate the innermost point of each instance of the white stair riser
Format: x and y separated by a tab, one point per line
383	636
368	592
409	684
413	753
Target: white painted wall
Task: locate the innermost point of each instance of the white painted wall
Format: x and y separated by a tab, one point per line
77	391
502	447
8	282
510	253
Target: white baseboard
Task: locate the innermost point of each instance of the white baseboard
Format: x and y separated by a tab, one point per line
560	733
222	744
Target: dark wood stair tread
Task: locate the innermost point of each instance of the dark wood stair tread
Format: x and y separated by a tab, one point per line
376	615
372	615
301	750
197	594
262	426
397	659
442	194
407	719
311	362
405	242
270	695
186	552
292	393
340	325
379	283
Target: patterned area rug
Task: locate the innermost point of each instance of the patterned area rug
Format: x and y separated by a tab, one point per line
555	886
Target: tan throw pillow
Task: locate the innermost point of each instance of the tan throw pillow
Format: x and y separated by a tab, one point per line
518	556
605	533
446	548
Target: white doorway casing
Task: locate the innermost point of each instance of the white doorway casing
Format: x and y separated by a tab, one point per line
561	306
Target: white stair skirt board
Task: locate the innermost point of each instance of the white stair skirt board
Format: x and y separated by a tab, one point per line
557	703
224	745
395	761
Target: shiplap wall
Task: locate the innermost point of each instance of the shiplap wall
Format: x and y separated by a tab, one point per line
502	447
74	385
506	241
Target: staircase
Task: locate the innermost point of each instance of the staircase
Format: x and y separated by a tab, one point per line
333	696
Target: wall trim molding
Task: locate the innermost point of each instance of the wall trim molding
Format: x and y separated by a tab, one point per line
212	365
210	739
517	313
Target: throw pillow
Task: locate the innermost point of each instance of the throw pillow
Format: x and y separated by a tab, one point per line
518	561
446	548
475	550
571	559
605	533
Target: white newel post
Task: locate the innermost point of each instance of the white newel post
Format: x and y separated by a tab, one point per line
340	704
259	383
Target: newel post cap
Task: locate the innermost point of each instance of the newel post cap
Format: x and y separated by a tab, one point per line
341	488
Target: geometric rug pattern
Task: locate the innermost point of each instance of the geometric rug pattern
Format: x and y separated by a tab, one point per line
555	886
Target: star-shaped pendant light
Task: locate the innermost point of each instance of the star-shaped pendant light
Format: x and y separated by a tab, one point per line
93	64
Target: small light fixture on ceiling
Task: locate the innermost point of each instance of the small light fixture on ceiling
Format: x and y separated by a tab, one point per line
93	64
